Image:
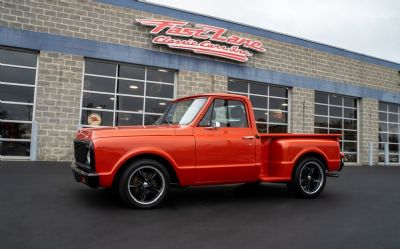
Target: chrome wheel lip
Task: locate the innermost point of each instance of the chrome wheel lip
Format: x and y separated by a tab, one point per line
317	175
161	191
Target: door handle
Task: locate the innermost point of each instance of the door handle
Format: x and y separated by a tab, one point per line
248	137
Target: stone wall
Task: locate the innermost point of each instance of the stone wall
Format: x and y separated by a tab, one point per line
58	104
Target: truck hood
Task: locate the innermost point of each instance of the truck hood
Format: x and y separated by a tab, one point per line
132	131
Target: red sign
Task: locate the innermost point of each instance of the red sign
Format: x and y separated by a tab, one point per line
205	36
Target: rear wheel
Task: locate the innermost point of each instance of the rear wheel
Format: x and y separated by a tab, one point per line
309	178
144	184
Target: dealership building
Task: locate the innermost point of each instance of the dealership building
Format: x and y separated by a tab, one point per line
71	64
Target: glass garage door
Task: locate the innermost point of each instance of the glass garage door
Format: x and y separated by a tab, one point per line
17	95
119	94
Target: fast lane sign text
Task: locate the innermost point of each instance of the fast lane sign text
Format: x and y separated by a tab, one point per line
236	48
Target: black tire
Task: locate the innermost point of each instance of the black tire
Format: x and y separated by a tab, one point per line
309	178
144	184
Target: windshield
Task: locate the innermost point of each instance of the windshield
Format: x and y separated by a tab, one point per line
182	112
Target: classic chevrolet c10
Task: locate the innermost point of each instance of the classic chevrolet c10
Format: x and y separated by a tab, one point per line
202	140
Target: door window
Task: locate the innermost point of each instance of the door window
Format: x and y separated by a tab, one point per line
226	113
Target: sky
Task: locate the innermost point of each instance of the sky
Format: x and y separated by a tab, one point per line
370	27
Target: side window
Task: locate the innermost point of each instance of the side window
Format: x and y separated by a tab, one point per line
229	113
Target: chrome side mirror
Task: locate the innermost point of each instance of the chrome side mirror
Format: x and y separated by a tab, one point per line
213	126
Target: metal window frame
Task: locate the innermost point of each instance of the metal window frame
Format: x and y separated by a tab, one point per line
268	96
328	116
33	139
387	123
115	109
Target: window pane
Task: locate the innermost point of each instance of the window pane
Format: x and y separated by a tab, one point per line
16	93
382	126
151	119
259	102
393	158
17	58
393	128
277	116
335	111
130	87
350	146
393	118
394	148
278	91
383	137
16	112
350	113
131	72
261	116
160	75
393	108
321	121
10	148
335	99
320	131
259	88
350	124
15	130
273	128
160	90
17	75
279	104
100	68
350	102
97	118
383	116
350	135
352	158
237	86
126	119
99	101
335	123
382	106
156	105
133	104
321	110
99	84
321	98
230	113
262	128
393	138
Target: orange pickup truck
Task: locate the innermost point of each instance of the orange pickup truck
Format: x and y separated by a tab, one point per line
202	140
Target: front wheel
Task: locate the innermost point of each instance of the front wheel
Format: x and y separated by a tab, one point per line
309	178
144	184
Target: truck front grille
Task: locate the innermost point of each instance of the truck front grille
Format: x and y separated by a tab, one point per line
81	149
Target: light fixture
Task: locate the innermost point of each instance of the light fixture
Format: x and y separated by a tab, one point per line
133	87
285	104
162	103
162	70
112	98
99	107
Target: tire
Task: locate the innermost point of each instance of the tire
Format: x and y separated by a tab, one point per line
144	184
309	178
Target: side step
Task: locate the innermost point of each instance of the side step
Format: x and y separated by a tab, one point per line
330	174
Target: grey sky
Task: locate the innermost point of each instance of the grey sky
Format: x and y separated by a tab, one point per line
370	27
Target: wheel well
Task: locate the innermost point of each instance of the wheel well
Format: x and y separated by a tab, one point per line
160	159
313	154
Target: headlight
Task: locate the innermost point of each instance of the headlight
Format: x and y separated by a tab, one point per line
88	158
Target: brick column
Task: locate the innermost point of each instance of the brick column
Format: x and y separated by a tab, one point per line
58	104
302	110
191	83
368	130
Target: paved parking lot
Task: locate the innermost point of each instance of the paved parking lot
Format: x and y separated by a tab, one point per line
43	207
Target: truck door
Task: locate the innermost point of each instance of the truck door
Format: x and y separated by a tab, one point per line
225	144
